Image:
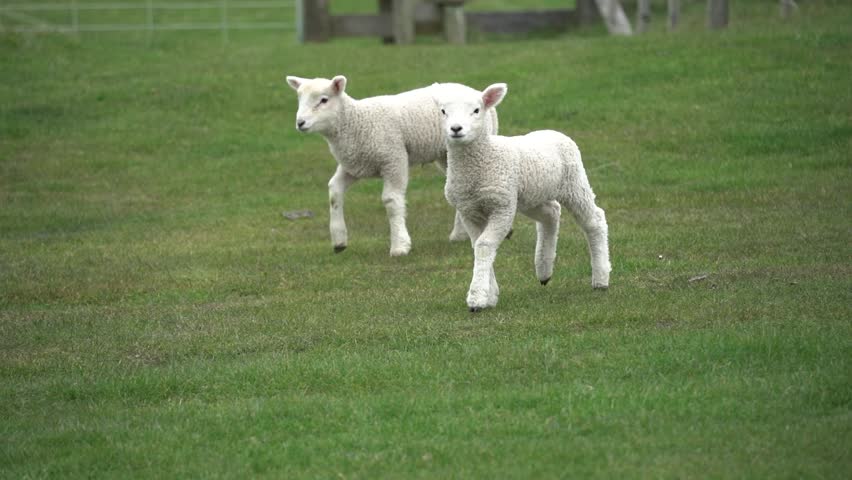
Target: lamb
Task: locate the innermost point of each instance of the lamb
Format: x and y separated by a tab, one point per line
490	177
376	137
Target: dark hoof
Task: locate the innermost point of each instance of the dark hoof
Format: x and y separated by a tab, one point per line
509	235
339	248
475	309
544	282
601	287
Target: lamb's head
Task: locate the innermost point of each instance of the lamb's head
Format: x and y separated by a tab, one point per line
320	101
465	111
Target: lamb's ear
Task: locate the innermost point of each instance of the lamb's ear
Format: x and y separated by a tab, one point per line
338	84
295	82
435	93
493	95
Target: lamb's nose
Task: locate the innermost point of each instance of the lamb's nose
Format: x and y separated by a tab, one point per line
300	123
456	128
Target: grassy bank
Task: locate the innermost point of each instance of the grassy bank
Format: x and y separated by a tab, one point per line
160	318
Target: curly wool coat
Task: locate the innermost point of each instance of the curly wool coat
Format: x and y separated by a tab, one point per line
376	137
491	177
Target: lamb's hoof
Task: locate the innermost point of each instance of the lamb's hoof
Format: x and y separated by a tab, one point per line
339	248
600	287
509	235
475	309
544	282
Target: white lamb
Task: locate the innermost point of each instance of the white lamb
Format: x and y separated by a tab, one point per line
490	177
376	137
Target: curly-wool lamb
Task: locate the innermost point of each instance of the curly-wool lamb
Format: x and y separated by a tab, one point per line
491	177
375	137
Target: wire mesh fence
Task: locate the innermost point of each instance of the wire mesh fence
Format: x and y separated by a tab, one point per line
75	16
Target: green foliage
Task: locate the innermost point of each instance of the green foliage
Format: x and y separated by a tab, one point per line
160	318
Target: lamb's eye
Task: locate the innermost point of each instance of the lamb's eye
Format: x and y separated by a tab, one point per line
443	112
324	100
476	111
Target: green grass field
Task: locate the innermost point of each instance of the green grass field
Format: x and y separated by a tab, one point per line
159	318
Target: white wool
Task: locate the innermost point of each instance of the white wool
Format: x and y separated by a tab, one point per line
491	177
375	137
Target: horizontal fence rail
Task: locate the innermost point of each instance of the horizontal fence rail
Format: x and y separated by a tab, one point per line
26	16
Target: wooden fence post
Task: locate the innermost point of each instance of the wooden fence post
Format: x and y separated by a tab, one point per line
587	12
385	8
454	23
403	21
643	15
717	14
674	13
313	23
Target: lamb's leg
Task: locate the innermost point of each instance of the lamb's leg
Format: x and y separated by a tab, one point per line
484	290
493	290
546	216
592	221
337	186
393	196
459	232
